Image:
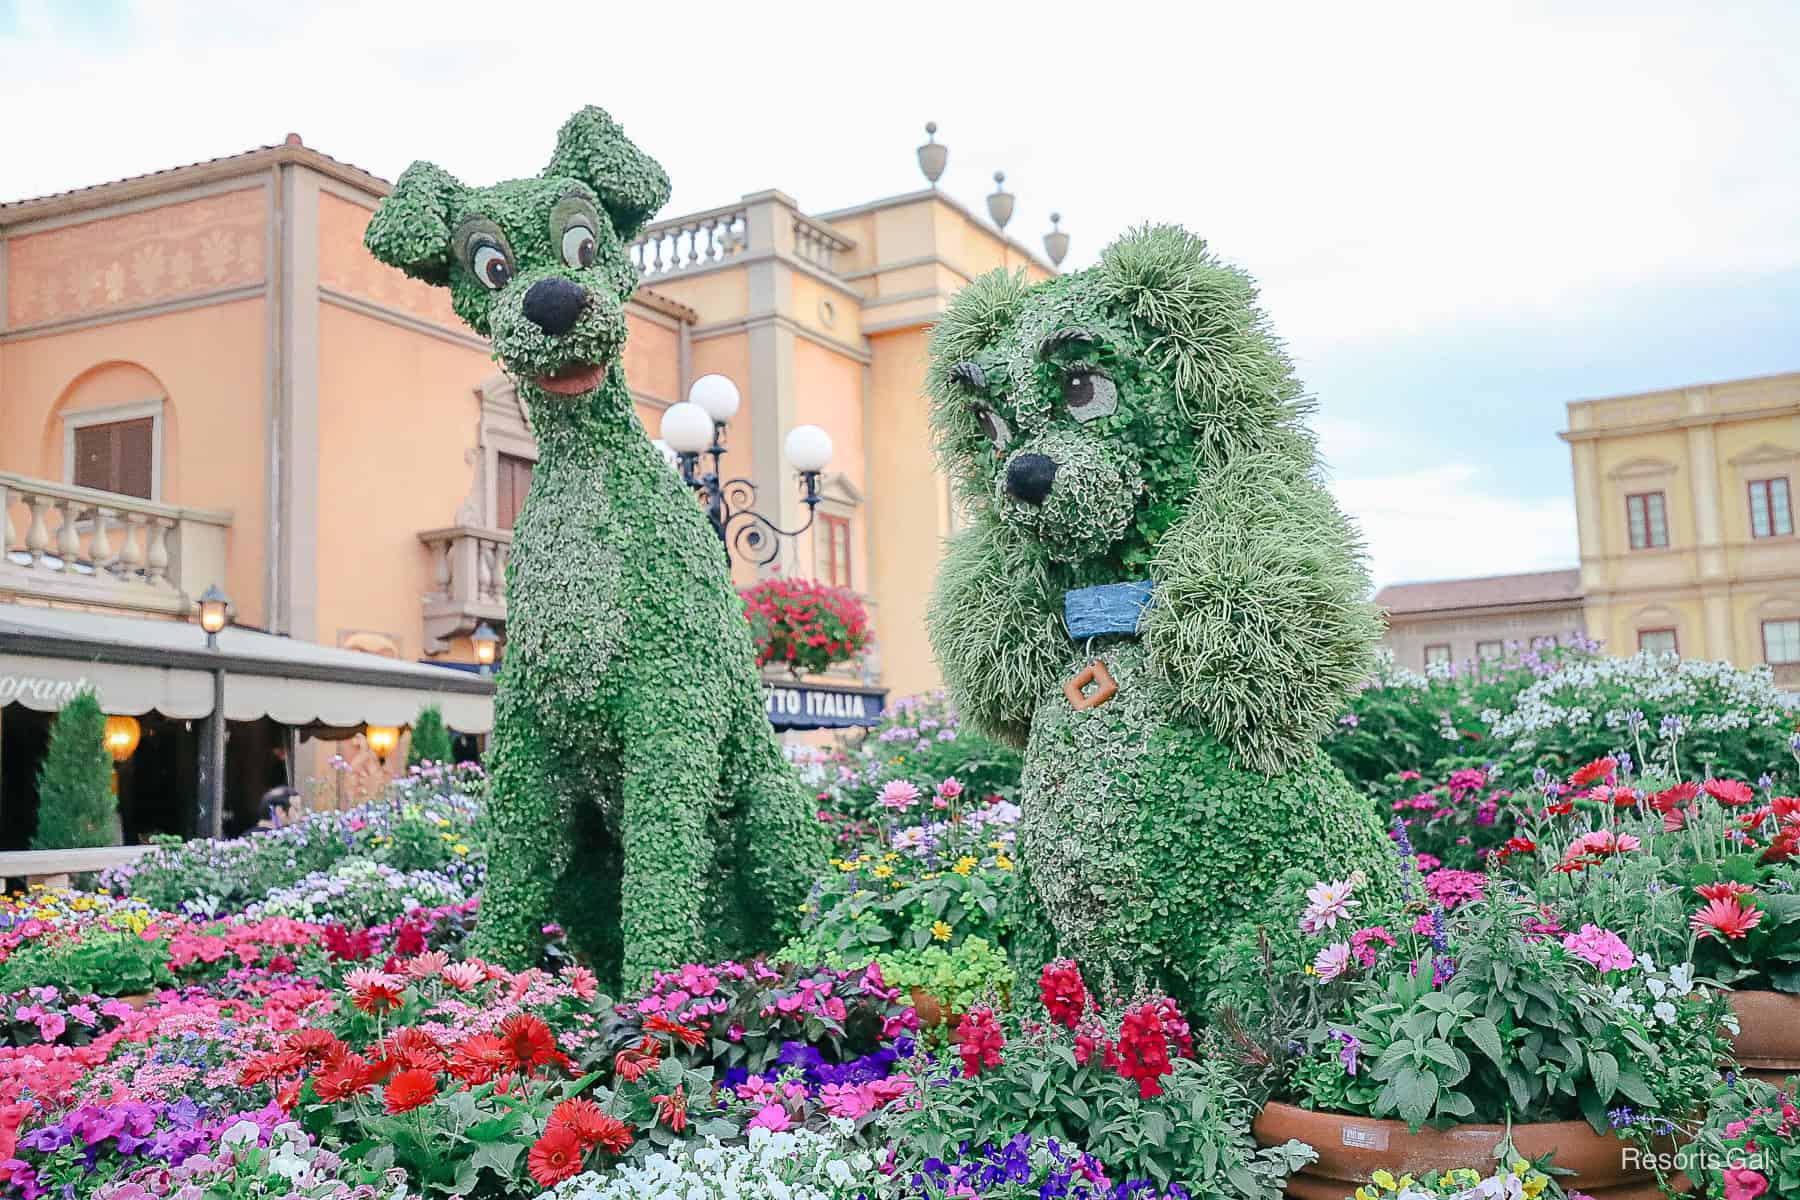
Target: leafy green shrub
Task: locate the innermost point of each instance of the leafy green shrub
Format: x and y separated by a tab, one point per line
76	805
103	961
430	738
1437	722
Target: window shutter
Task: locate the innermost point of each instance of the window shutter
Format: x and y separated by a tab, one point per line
93	457
134	452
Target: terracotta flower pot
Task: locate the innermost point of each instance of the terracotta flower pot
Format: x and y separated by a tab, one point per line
138	1000
1768	1044
931	1010
1351	1149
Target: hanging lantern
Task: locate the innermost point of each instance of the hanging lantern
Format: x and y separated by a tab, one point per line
122	735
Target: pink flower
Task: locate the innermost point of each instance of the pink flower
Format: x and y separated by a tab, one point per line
950	788
1332	961
1601	947
1452	889
462	976
1742	1183
772	1117
899	795
1326	905
1362	943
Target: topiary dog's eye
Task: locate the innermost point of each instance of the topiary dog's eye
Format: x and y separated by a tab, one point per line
1089	394
578	246
993	426
483	248
574	226
490	266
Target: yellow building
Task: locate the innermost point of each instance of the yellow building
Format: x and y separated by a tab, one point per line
1684	504
206	380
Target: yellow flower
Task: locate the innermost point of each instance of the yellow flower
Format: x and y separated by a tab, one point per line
882	871
996	844
890	856
846	866
940	931
964	865
459	848
1365	1194
1519	1168
1534	1185
1383	1179
896	885
1003	862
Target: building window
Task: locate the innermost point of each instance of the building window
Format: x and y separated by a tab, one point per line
1646	514
837	550
1657	641
1771	512
1436	654
512	481
114	455
1781	641
1488	649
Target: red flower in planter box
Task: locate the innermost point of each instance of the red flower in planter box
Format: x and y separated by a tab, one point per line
803	624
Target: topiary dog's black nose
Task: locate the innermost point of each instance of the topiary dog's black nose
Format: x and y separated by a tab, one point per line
553	304
1029	477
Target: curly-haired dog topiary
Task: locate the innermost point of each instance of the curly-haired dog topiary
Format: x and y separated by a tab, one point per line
1154	594
638	792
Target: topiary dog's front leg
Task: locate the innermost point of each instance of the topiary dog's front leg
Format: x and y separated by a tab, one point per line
780	842
670	786
528	813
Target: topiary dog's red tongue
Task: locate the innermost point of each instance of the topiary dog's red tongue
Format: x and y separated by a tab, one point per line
573	379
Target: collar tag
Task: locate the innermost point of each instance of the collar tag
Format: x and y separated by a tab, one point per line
1105	608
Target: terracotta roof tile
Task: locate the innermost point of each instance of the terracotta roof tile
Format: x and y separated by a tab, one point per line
1493	591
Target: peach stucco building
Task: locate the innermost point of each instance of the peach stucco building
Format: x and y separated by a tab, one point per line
205	380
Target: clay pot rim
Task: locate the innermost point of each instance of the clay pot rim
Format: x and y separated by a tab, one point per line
1427	1130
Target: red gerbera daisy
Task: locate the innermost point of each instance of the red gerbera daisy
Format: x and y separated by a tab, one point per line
1729	792
375	992
1725	919
479	1059
408	1090
634	1062
1672	798
554	1157
1598	771
671	1109
579	1116
658	1023
528	1042
350	1076
316	1046
266	1067
612	1135
411	1048
1723	891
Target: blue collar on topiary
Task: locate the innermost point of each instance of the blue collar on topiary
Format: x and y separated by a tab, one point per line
1105	608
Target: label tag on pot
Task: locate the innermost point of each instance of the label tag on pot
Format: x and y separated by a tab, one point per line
1365	1139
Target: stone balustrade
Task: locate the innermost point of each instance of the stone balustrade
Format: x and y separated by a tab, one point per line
764	222
79	544
685	243
469	570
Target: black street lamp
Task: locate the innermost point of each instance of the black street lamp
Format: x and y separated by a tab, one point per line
215	614
697	426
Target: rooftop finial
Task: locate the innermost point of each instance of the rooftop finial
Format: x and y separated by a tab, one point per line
1056	242
932	155
1000	201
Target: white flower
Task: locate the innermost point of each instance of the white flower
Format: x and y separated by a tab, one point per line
244	1133
1665	1012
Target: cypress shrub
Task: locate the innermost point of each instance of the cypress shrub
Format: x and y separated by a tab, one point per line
430	738
76	805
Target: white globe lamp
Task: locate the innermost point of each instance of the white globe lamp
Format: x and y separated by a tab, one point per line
686	428
808	448
717	396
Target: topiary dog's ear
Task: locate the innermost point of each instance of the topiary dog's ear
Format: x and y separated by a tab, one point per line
411	229
631	185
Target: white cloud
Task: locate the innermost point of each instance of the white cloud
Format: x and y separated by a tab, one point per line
1441	523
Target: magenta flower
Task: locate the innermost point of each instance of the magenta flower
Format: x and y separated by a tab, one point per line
1601	947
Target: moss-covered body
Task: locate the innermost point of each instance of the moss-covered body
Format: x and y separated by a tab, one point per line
1138	421
638	794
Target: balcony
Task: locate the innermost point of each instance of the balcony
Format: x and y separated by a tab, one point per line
763	223
469	569
80	545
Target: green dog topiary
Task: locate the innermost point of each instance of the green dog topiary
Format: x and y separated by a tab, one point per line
638	793
1146	514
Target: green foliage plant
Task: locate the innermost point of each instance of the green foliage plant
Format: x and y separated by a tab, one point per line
106	962
1487	1022
76	805
1149	400
639	796
430	738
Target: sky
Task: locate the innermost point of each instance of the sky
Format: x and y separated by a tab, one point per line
1461	216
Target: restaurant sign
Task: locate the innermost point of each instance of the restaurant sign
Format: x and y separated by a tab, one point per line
818	706
42	693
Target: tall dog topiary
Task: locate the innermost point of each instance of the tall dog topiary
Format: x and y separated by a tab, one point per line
1155	596
638	793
